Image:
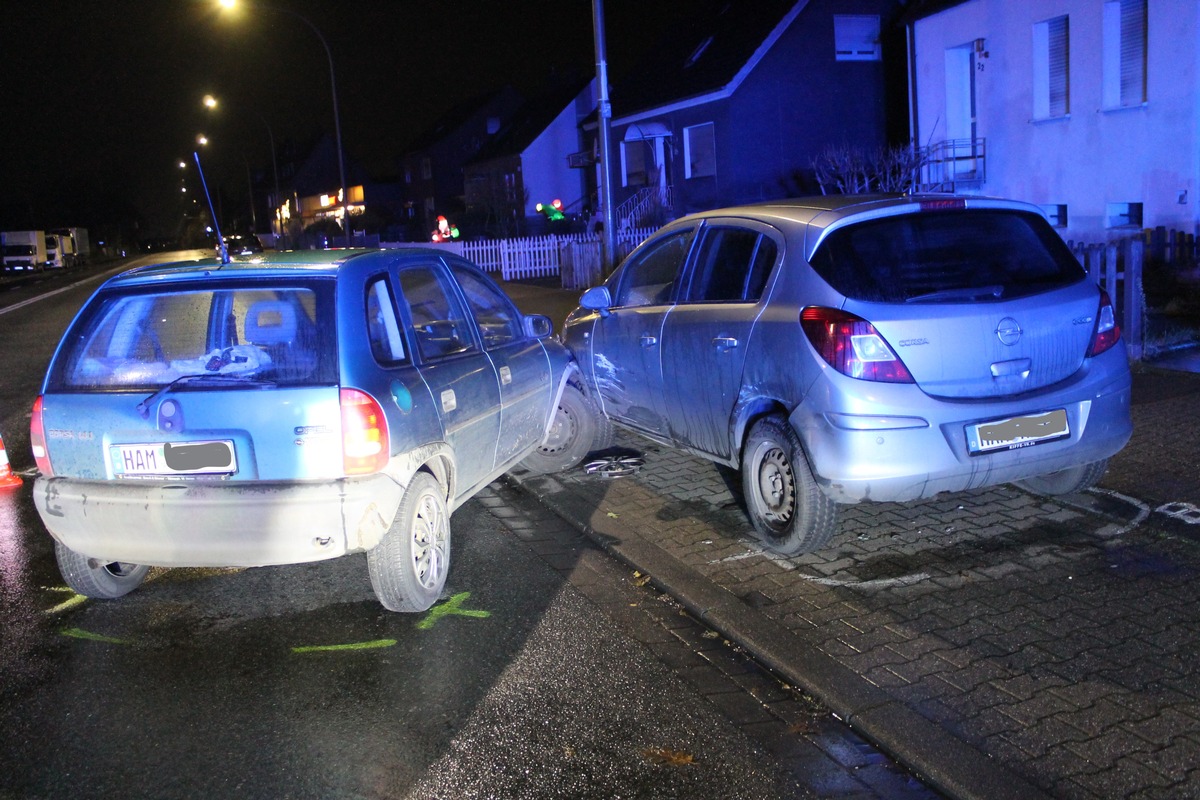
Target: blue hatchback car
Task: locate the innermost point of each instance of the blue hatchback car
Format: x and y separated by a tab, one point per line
293	408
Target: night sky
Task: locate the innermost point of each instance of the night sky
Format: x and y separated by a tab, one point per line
102	98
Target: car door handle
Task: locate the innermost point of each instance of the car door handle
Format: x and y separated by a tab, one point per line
724	342
648	340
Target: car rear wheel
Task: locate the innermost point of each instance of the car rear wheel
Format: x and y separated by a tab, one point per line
1066	481
579	427
408	567
789	511
93	577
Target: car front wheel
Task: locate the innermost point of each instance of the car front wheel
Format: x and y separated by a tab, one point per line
93	577
789	511
1066	481
578	428
408	567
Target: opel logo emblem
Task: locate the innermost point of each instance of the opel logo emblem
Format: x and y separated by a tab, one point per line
1008	331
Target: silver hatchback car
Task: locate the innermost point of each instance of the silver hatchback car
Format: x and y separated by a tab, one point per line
850	348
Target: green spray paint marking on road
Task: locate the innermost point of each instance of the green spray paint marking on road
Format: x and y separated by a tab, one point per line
80	633
451	608
74	600
323	648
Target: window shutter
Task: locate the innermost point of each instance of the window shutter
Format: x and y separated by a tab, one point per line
1133	52
1059	75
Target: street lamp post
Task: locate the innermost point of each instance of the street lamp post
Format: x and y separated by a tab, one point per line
337	124
211	104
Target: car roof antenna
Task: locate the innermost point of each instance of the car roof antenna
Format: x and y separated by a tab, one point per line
216	225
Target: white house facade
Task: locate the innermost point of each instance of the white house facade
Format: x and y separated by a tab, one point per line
1088	108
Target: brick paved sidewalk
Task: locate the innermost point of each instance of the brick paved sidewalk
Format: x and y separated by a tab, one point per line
999	643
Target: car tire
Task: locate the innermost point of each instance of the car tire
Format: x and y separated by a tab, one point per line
579	427
93	577
789	511
408	567
1067	481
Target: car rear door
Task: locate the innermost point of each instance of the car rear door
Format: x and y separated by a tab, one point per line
625	340
706	336
460	376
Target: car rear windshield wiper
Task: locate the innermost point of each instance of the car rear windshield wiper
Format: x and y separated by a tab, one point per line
961	293
209	378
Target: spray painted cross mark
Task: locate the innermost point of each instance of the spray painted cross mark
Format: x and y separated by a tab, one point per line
452	607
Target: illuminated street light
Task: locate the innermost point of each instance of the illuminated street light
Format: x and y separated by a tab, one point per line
202	140
337	125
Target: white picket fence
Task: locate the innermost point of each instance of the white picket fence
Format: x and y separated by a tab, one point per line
537	256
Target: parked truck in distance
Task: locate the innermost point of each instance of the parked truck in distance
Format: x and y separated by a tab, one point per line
23	250
75	249
60	251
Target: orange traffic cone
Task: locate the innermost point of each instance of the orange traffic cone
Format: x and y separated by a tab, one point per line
8	478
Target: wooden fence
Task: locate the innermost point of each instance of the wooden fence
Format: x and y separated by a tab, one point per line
1147	276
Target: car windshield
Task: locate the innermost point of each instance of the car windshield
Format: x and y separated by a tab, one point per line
946	257
148	339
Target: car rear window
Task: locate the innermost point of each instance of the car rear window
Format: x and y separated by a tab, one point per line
150	338
946	256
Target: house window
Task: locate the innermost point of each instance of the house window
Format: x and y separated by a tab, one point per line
426	168
407	174
633	161
1056	213
1051	69
1124	53
856	37
1123	215
700	151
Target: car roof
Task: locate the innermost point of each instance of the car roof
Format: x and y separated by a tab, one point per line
258	265
814	217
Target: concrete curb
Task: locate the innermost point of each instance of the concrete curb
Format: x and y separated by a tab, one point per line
943	761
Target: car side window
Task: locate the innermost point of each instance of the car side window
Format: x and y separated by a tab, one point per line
498	320
439	322
732	266
383	327
647	279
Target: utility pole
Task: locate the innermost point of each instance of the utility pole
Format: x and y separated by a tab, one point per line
609	238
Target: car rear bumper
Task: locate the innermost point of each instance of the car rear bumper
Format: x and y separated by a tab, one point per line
906	457
217	523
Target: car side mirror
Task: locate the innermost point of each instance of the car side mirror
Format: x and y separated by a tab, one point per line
597	299
538	326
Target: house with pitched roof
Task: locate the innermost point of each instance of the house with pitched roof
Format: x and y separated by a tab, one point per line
432	165
737	105
526	164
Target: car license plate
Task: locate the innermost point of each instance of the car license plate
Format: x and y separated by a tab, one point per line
1015	432
172	458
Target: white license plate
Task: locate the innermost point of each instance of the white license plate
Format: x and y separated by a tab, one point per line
173	458
1016	432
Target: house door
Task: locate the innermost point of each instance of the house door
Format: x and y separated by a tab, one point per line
961	121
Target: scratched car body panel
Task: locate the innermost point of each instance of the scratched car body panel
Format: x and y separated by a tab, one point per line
279	410
910	345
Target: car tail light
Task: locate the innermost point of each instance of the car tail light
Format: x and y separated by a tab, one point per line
852	346
37	440
364	433
1107	331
